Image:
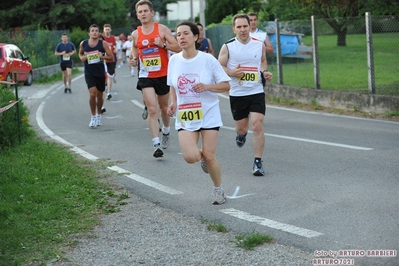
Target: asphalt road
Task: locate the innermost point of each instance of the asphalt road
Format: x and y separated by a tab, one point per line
331	183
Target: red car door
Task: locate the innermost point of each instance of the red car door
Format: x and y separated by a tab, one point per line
21	67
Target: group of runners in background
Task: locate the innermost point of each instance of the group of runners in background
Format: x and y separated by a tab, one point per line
180	77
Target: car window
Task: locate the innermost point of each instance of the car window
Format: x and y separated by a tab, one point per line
1	52
10	53
19	54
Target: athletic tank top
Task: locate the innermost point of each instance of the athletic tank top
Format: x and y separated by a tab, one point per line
204	45
111	43
249	57
94	65
153	59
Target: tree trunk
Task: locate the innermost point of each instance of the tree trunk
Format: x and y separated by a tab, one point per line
53	19
341	41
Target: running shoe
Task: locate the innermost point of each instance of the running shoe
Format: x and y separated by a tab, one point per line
69	89
218	196
109	96
144	115
98	121
165	141
204	166
65	90
157	151
103	110
240	140
257	169
92	122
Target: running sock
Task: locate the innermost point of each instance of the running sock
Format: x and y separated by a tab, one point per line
155	141
165	130
258	160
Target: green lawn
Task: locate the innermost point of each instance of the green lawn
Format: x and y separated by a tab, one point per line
345	68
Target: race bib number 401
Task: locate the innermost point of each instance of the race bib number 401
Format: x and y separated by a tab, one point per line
190	112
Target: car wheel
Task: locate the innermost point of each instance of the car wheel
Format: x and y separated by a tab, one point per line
29	80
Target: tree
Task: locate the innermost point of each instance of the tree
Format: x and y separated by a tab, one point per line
65	14
286	10
339	14
158	5
216	10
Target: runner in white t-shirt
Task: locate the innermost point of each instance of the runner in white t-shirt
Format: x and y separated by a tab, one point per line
195	79
128	47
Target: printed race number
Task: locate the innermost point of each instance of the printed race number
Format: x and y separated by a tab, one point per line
249	77
190	115
151	62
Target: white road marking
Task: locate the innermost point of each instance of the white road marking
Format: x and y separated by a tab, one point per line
47	131
112	117
272	224
340	145
139	104
235	194
312	141
146	181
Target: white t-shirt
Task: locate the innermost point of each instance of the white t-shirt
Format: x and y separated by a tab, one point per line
196	110
128	46
249	57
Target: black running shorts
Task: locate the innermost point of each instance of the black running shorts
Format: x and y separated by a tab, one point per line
159	84
241	106
98	82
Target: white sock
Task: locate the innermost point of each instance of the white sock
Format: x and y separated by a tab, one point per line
155	141
165	130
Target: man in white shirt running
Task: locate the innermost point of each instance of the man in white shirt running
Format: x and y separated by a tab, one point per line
244	60
259	34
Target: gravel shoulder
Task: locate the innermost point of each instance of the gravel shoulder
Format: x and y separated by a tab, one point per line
143	233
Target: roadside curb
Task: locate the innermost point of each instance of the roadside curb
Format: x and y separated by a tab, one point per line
378	104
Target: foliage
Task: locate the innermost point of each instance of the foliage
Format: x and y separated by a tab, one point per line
9	130
218	9
340	14
77	35
39	45
381	7
285	10
64	14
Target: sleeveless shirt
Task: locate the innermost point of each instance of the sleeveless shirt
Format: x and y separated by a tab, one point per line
153	59
249	57
111	43
94	66
204	45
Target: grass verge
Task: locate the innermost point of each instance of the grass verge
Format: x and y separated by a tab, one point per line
245	241
47	194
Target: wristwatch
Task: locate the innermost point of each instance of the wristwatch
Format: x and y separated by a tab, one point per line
164	45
